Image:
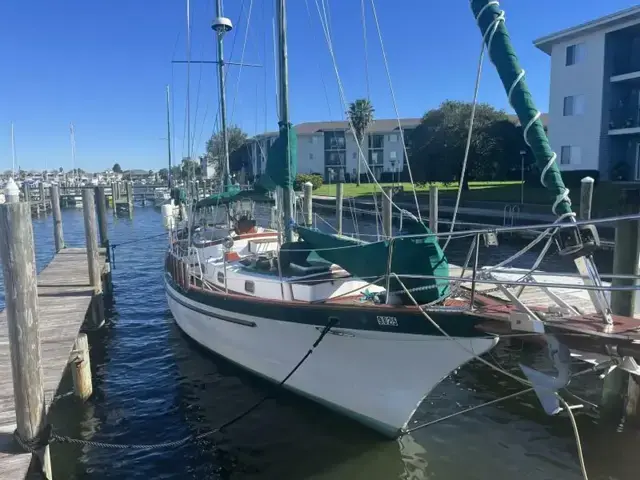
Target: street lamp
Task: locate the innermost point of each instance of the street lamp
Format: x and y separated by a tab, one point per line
522	154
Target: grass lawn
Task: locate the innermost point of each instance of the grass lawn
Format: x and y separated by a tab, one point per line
352	190
606	195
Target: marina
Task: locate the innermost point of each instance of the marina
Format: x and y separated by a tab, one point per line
174	375
212	329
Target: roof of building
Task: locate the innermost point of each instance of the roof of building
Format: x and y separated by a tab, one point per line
378	126
546	43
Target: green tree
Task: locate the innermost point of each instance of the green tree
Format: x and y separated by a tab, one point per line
116	168
438	143
236	138
176	173
190	169
360	114
163	173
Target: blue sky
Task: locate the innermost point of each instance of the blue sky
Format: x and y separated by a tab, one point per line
104	65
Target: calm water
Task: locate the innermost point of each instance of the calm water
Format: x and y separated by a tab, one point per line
152	384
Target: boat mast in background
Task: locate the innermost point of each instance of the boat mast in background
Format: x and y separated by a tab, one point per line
13	151
222	25
283	96
169	136
73	150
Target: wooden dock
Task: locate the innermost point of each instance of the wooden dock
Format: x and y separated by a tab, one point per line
64	297
40	327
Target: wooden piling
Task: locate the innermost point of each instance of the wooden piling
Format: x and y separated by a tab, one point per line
21	298
339	202
43	198
307	189
626	254
101	209
129	188
387	213
58	235
433	208
81	368
586	197
93	256
26	191
90	230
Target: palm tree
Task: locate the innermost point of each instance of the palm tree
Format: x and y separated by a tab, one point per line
360	114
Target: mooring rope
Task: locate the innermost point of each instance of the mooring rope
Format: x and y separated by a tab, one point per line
128	242
49	435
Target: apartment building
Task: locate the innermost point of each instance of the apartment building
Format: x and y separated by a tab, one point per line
330	149
594	102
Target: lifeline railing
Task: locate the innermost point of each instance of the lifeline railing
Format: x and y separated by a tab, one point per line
476	275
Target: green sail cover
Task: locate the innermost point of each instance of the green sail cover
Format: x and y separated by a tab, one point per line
505	59
410	256
281	160
233	194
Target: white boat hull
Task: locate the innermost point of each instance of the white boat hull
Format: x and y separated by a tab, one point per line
375	377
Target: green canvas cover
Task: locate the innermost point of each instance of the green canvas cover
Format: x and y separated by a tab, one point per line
410	256
281	166
233	194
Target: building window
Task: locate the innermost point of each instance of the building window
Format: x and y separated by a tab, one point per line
334	140
392	155
220	277
575	54
249	286
570	155
311	156
354	155
573	105
376	141
393	138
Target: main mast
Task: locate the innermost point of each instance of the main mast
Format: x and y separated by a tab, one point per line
169	136
283	96
222	25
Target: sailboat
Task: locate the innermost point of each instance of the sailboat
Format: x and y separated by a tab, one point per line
387	320
223	221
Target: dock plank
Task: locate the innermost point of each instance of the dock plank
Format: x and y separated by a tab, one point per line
64	296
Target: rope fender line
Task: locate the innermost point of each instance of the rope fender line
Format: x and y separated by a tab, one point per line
49	435
113	246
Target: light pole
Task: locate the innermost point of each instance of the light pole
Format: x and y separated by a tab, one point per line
522	154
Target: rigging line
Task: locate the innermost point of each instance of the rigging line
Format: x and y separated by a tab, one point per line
244	46
226	72
466	410
314	40
467	147
264	73
188	78
206	113
361	156
366	49
195	117
395	107
275	65
173	115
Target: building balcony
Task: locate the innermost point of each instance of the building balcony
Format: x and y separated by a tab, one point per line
624	121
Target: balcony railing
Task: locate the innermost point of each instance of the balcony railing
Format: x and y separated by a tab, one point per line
624	118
